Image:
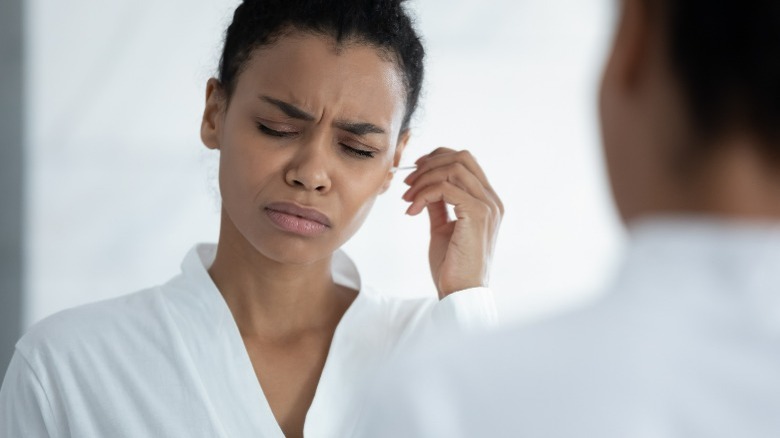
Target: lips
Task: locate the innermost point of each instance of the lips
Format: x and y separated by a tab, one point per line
296	219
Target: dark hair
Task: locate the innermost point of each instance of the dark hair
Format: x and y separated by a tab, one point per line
726	54
384	24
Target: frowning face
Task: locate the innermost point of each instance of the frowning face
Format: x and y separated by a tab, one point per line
306	144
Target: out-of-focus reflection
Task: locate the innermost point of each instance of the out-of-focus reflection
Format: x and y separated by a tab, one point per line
686	341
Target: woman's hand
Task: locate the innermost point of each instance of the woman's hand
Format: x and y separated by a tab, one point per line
461	249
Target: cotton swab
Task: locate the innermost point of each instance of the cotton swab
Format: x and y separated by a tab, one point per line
402	168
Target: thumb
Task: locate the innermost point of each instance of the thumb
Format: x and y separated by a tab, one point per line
437	213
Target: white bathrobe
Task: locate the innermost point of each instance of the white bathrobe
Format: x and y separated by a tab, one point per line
170	362
686	344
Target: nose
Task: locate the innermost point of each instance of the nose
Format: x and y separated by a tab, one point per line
308	169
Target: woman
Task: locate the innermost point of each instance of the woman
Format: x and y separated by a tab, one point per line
270	332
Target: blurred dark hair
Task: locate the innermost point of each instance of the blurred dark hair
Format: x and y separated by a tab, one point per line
726	54
384	24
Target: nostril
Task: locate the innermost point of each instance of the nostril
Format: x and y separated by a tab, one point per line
304	184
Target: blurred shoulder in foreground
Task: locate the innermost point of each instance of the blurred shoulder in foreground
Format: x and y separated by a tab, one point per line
686	343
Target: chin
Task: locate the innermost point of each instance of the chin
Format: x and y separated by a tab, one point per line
294	250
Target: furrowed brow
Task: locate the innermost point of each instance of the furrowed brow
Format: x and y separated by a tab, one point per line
359	128
288	108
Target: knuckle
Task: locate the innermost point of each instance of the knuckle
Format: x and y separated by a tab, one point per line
436	187
484	210
500	206
436	174
458	167
454	176
448	185
465	155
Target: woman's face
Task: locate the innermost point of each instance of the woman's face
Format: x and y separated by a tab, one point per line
306	144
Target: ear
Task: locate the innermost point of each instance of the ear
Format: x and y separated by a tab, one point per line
629	59
213	113
403	140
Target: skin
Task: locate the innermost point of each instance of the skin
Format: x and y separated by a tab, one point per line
651	145
277	284
460	250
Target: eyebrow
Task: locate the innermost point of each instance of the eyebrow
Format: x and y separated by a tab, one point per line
356	128
291	110
359	128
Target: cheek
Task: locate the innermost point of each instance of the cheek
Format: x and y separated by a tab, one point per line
360	215
245	168
358	198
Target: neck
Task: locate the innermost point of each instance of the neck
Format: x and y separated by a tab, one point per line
270	299
735	182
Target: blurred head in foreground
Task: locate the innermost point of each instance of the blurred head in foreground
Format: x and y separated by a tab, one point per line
684	341
690	108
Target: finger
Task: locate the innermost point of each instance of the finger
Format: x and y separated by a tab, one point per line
437	151
465	204
443	154
442	157
437	213
455	173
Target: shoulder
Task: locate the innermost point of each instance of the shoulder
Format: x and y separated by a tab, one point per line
516	377
575	346
82	330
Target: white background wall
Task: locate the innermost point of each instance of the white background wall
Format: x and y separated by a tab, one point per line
120	186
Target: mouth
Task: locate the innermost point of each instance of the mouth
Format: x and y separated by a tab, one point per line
296	219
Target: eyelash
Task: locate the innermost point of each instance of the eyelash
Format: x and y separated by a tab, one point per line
357	153
274	133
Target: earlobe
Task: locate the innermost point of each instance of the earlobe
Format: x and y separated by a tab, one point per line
212	114
403	140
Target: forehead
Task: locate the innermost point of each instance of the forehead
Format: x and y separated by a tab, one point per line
355	79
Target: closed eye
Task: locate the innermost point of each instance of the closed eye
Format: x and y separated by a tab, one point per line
274	133
358	153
